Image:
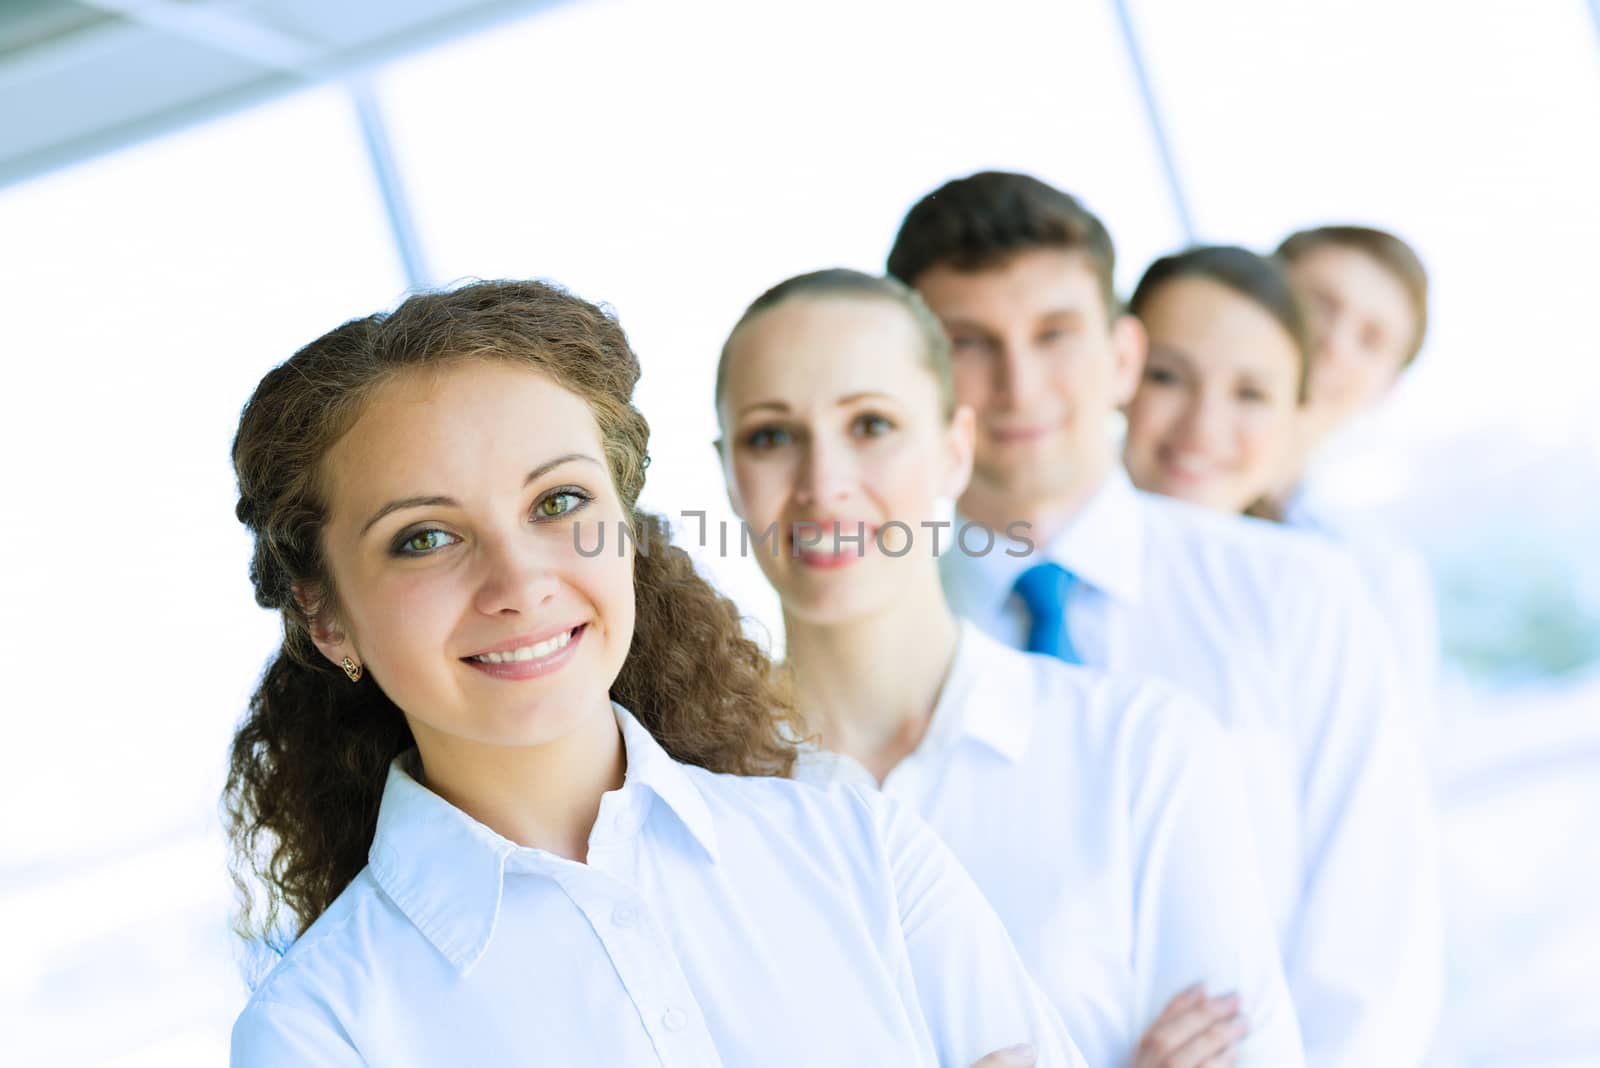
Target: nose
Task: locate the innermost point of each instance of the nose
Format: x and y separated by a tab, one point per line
827	473
1204	422
1017	375
515	575
1337	342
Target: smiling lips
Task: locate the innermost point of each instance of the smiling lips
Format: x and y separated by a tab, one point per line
525	658
1187	467
1023	435
835	544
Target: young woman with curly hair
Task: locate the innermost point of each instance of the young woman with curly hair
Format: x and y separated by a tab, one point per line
522	802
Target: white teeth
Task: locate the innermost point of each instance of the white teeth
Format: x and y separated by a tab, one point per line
536	651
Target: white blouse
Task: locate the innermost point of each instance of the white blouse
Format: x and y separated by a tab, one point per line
1102	819
1273	630
719	921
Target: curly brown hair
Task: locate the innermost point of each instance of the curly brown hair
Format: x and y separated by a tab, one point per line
308	762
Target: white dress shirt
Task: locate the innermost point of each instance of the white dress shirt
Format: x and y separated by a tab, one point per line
1401	585
719	921
1272	629
1100	817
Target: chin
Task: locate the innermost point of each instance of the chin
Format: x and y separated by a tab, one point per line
844	604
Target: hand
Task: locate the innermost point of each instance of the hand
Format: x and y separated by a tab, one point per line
1193	1031
1021	1056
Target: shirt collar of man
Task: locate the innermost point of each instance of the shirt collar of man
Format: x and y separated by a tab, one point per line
1103	545
446	870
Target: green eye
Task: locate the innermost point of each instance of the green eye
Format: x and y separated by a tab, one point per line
559	504
423	542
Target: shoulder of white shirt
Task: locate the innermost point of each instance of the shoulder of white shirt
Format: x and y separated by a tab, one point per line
1246	545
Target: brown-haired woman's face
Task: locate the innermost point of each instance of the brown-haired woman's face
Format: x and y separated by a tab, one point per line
1214	418
452	504
833	422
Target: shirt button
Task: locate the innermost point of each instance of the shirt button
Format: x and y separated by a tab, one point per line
622	916
674	1019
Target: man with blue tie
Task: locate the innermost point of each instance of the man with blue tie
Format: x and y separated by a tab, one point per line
1270	628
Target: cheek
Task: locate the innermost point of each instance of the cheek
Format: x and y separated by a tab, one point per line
402	628
971	379
1262	434
764	486
606	582
408	610
904	481
1151	417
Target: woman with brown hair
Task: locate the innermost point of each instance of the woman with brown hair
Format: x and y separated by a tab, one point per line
1251	361
495	778
1221	398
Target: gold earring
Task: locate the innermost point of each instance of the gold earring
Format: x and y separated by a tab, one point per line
352	669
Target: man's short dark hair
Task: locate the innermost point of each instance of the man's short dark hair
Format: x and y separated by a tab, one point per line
981	221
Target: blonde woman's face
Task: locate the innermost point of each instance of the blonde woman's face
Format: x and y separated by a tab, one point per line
834	428
453	503
1362	324
1215	417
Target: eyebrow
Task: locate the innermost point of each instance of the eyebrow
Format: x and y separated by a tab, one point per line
450	502
956	322
1173	352
848	398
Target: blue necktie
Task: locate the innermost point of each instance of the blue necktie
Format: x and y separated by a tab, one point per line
1044	588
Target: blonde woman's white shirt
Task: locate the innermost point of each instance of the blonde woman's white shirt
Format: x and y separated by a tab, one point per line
1103	820
1272	630
719	921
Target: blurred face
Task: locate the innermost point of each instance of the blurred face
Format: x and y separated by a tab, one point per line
832	421
1362	325
452	503
1043	369
1215	415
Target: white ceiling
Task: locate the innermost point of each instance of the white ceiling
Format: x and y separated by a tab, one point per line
79	77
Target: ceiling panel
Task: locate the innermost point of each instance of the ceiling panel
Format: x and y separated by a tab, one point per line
80	77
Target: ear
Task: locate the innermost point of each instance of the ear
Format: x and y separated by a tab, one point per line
326	632
1129	343
960	442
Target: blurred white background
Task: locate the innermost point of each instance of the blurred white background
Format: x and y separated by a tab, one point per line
673	159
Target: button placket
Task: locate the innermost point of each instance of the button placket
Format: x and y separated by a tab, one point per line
644	959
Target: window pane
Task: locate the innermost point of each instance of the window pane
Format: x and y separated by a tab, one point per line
155	287
678	182
1470	129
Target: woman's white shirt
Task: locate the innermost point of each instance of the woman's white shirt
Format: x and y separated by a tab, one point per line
719	920
1103	820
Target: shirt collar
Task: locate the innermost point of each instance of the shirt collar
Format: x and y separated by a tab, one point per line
1103	545
652	768
982	699
446	871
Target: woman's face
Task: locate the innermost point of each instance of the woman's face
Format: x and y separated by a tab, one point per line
452	504
832	421
1362	323
1214	419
